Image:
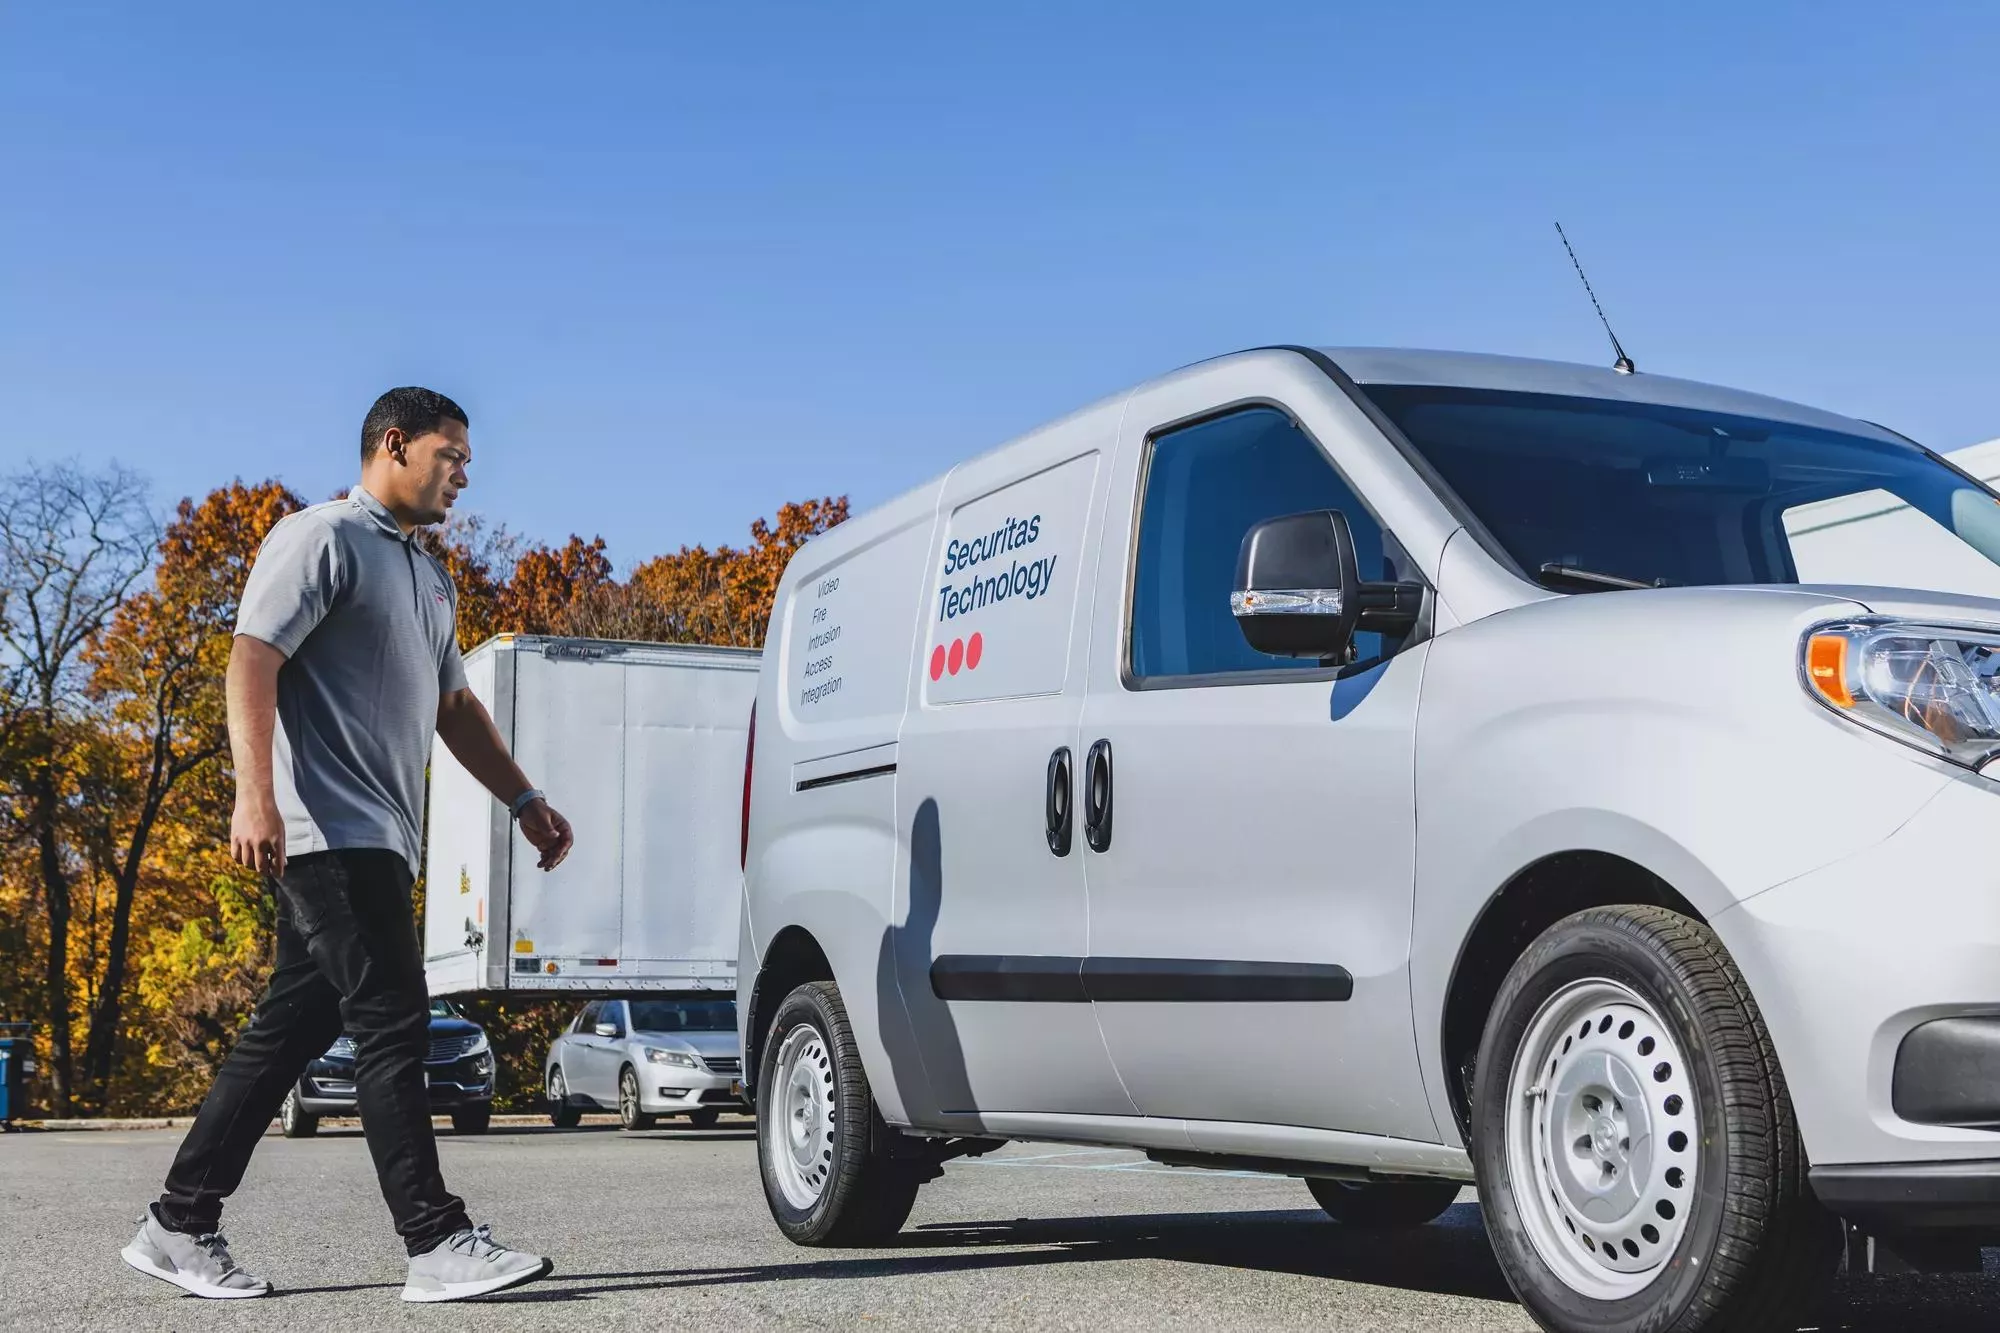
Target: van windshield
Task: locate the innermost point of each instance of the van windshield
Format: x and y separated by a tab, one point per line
1592	494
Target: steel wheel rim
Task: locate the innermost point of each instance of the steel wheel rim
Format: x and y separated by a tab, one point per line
558	1092
1602	1132
798	1128
628	1097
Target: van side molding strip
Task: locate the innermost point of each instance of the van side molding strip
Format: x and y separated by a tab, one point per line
1062	980
853	775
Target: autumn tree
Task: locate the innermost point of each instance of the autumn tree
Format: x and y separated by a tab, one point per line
72	545
158	672
725	596
548	580
480	557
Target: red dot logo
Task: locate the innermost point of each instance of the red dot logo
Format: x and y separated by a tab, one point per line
957	656
975	648
937	663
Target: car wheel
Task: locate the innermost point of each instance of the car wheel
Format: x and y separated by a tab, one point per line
561	1114
824	1179
1384	1203
294	1119
1637	1155
472	1119
706	1118
629	1114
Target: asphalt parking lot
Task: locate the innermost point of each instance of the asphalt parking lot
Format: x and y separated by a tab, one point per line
667	1230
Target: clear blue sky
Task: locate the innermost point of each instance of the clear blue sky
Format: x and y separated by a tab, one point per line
682	262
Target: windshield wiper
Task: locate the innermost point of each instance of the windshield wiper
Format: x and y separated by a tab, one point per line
1592	579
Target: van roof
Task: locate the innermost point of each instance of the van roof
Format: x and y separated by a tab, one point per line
1478	370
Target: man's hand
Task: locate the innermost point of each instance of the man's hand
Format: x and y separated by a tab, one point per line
257	836
548	831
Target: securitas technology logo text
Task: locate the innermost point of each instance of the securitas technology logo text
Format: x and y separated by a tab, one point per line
1028	578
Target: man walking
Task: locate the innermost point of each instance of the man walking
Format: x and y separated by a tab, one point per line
345	661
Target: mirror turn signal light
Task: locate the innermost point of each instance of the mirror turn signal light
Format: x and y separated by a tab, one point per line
1826	668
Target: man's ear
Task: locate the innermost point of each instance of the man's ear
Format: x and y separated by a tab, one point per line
396	444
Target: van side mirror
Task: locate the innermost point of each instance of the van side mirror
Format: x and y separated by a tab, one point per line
1299	591
606	1029
1297	586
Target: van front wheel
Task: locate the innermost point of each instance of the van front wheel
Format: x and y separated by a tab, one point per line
1636	1150
824	1180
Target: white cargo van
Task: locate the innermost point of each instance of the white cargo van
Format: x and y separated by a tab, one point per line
640	745
1397	769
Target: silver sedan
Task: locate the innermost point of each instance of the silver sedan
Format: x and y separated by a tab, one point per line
645	1059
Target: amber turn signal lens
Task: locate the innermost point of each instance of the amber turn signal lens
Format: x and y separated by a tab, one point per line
1826	667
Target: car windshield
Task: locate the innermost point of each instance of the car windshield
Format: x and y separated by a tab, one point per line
684	1015
443	1009
1591	494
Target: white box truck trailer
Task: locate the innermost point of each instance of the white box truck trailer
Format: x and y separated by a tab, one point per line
641	746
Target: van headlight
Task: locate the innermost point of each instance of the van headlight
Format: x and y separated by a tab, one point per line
1936	687
480	1045
660	1057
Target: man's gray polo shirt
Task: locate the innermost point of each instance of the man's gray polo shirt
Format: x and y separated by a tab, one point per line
367	619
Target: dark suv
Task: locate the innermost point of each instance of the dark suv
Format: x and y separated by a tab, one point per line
458	1069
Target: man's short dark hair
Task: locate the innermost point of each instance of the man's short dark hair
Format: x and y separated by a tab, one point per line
412	411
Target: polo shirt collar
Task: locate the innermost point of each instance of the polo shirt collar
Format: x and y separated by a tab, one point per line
378	512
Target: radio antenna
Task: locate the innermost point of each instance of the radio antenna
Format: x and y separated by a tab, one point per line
1623	365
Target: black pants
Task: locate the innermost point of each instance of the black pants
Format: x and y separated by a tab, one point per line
348	960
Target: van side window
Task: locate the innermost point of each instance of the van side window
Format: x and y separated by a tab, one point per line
1206	486
587	1020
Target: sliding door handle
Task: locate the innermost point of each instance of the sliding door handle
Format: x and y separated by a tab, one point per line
1097	797
1060	803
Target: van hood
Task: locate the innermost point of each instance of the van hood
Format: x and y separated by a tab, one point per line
1949	607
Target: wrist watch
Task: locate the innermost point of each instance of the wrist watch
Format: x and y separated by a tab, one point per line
521	801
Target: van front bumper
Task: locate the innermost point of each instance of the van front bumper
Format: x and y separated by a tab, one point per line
1878	977
1902	1197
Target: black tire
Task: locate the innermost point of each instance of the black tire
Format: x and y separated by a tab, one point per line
1755	1244
866	1197
629	1114
561	1114
706	1118
472	1119
1385	1204
293	1118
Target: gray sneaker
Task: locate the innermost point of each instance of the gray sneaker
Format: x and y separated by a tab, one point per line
470	1264
200	1264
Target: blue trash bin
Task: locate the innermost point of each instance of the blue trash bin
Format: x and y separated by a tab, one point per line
17	1048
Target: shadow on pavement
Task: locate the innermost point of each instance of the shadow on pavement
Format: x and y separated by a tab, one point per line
1450	1257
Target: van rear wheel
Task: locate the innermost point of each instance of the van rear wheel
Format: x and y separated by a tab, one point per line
823	1178
1637	1155
1384	1203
